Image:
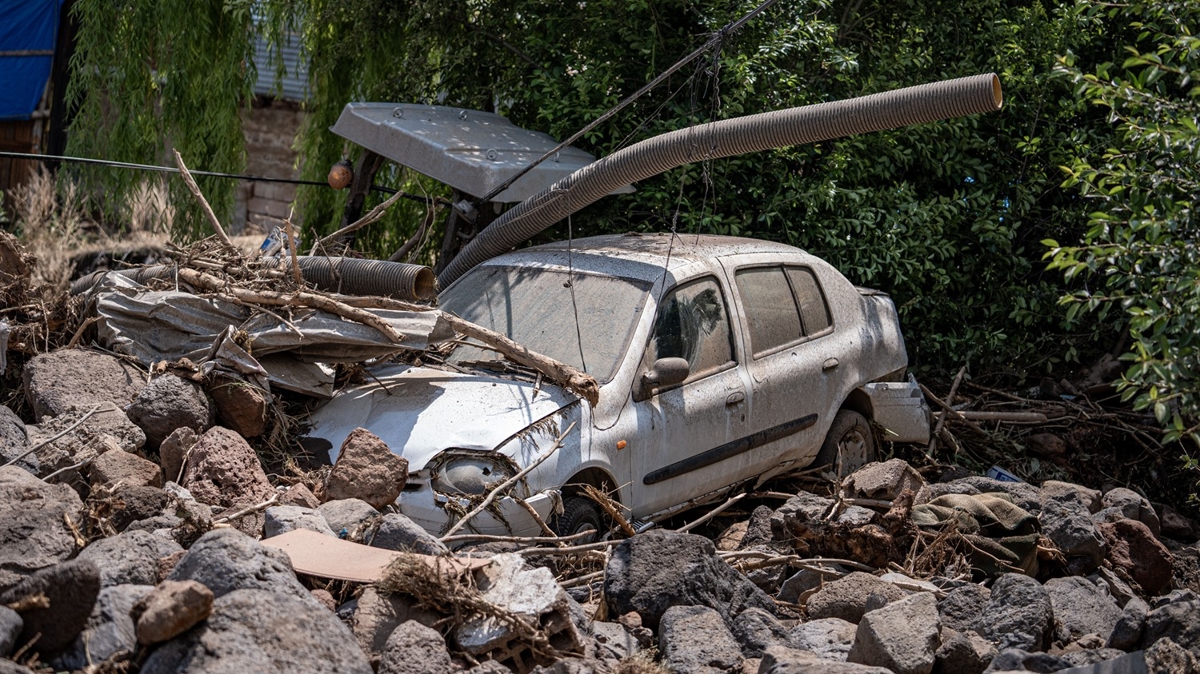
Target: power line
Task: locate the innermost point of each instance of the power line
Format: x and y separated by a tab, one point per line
716	39
209	174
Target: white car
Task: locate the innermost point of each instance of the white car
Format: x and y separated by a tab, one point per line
721	361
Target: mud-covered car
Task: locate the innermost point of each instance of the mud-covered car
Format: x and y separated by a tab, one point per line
721	361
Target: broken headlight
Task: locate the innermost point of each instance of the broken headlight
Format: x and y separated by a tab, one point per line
467	472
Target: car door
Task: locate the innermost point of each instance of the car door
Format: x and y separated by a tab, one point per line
790	359
687	428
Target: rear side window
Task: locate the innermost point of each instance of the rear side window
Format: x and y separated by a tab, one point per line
813	309
692	324
771	311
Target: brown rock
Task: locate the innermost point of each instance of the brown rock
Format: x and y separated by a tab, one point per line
366	469
241	406
171	609
223	471
299	495
1047	445
731	538
325	598
57	380
127	468
1178	526
172	453
167	564
1132	548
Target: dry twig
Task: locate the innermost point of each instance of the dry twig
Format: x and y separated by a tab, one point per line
504	486
208	211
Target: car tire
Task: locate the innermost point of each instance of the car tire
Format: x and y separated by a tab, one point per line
849	445
579	514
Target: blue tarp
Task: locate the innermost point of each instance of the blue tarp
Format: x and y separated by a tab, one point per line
25	25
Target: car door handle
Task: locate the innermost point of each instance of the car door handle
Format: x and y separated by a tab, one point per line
830	363
734	398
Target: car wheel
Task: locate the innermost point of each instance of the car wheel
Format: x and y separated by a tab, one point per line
579	514
849	445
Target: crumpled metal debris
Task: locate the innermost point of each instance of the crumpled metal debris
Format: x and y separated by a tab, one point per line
292	352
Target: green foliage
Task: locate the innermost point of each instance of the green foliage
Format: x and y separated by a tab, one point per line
1139	255
947	217
153	74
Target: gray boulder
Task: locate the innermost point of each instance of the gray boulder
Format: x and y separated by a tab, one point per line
132	503
961	653
168	403
1178	621
1127	633
1068	523
903	636
107	428
129	558
348	517
695	639
827	638
755	630
57	380
10	630
1018	660
784	660
70	589
961	607
109	631
847	597
282	519
397	532
1019	614
14	440
377	615
1081	608
33	531
1055	490
654	571
1133	506
1167	657
253	630
414	648
1087	657
226	560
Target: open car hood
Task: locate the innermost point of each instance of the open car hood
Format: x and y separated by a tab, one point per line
419	412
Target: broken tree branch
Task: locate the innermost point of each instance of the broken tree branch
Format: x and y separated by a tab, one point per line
291	246
208	211
374	215
301	298
605	501
504	486
955	414
712	513
580	383
416	238
1014	417
941	420
248	510
38	446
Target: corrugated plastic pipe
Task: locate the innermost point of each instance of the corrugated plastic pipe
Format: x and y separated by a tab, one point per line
726	138
350	276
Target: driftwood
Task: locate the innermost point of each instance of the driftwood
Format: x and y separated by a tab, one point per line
372	216
1015	417
195	189
504	486
300	298
580	383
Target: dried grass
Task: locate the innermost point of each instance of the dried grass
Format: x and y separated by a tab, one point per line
56	225
641	662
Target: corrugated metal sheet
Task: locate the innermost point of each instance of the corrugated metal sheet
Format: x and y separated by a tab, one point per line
294	85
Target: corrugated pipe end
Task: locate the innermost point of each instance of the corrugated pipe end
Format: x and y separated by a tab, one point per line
997	92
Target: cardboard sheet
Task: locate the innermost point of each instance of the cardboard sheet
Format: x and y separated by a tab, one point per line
328	557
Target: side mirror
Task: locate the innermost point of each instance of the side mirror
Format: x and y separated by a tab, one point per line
665	372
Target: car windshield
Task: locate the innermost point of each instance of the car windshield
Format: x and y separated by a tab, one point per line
582	319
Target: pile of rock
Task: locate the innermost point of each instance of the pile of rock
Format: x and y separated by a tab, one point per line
131	516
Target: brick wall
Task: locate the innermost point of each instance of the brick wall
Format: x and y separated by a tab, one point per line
270	127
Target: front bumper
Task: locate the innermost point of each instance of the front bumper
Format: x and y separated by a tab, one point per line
437	512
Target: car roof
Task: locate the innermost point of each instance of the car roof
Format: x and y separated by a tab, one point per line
636	255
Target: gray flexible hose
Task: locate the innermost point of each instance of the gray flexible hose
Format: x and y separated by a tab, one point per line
350	276
726	138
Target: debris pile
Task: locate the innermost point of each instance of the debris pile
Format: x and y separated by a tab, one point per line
152	520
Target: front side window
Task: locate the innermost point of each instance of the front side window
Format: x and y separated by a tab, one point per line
692	324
